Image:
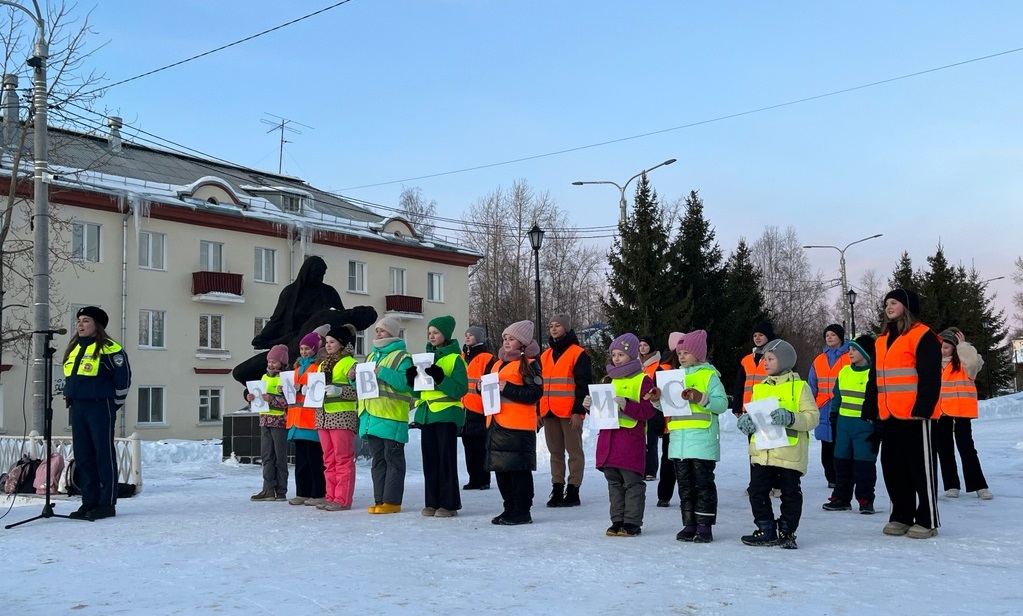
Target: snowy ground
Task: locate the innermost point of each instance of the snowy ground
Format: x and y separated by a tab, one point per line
192	543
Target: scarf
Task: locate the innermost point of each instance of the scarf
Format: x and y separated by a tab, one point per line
304	362
629	368
379	343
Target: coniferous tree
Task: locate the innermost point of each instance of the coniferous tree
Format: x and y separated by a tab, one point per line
695	269
741	307
903	277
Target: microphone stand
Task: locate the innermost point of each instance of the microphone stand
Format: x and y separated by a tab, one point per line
47	432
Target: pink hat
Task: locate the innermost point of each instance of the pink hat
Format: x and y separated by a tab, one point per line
673	339
278	353
521	331
311	340
694	342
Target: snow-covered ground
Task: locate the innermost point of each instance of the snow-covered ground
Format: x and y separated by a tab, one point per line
193	543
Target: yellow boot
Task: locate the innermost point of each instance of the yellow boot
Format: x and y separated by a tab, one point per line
386	508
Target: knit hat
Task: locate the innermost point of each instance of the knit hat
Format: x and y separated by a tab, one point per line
649	342
521	331
311	340
626	343
765	328
95	313
949	336
695	342
838	329
345	334
445	325
391	325
278	353
564	319
784	352
478	333
907	298
864	345
673	339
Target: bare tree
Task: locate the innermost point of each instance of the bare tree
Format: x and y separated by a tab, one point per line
415	208
1017	297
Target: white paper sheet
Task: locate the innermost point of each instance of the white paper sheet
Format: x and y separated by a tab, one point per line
490	390
423	381
366	380
671	383
288	385
314	390
768	435
603	410
257	389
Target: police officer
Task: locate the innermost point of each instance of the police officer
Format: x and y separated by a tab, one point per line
97	377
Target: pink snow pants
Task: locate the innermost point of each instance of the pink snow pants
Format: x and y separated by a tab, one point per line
339	464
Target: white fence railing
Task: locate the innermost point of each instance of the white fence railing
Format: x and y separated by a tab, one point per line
129	453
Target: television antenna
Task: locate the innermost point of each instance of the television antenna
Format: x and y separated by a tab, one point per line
282	125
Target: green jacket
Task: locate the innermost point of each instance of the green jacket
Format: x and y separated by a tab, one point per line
382	427
705	443
455	385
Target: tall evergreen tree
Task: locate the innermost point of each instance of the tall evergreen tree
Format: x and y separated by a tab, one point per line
741	307
903	277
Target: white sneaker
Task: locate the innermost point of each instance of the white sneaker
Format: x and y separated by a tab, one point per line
953	493
984	494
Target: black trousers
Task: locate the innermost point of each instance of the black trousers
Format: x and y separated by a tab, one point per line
92	426
828	460
440	465
474	442
697	491
953	433
908	458
667	483
761	480
859	476
654	432
516	490
310	481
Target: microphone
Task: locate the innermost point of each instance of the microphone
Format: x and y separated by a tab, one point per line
52	332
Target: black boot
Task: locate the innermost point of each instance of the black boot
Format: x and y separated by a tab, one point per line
766	534
571	497
786	537
557	495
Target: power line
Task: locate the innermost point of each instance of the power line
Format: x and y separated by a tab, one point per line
693	124
221	48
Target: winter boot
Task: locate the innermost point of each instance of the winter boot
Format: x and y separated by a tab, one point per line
557	495
614	530
630	530
866	507
766	534
688	533
265	495
703	534
786	538
834	504
571	497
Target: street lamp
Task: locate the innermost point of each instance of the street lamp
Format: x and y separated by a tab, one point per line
841	266
536	240
40	214
851	296
621	188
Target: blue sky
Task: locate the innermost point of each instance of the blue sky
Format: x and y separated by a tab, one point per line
399	89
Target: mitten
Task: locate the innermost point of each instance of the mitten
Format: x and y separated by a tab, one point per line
410	375
693	395
745	424
436	373
782	417
620	401
587	401
332	391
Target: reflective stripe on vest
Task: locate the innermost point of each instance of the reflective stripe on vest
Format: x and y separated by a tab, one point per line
513	415
700	419
851	386
272	384
896	373
392	404
559	381
339	376
827	375
472	401
754	374
300	416
788	395
435	399
629	388
89	365
958	394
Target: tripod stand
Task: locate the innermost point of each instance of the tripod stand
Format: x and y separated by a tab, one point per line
47	430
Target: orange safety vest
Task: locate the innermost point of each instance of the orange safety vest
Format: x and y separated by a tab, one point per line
896	373
827	376
301	416
755	373
472	401
958	393
513	415
559	381
652	369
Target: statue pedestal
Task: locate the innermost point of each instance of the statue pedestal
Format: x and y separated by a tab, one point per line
241	437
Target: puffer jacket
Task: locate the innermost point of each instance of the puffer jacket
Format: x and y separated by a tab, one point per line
515	450
701	443
793	456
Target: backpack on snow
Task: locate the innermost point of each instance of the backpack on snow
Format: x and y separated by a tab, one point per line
56	468
21	476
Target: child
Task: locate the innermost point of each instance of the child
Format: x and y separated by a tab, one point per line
273	432
337	421
695	440
621	453
960	364
310	485
478	359
383	421
440	415
782	466
856	439
511	433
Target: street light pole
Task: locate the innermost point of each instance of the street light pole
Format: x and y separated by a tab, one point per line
536	240
851	296
841	266
40	214
621	188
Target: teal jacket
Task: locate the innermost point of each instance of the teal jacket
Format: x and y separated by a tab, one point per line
701	443
455	385
370	425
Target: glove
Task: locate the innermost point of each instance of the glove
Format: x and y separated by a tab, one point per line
332	390
410	375
874	438
782	417
436	373
620	401
745	424
691	394
587	401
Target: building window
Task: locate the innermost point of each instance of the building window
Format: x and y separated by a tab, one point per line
357	277
210	328
151	250
151	329
266	265
258	324
209	404
151	405
85	242
360	344
291	203
435	287
211	256
397	281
